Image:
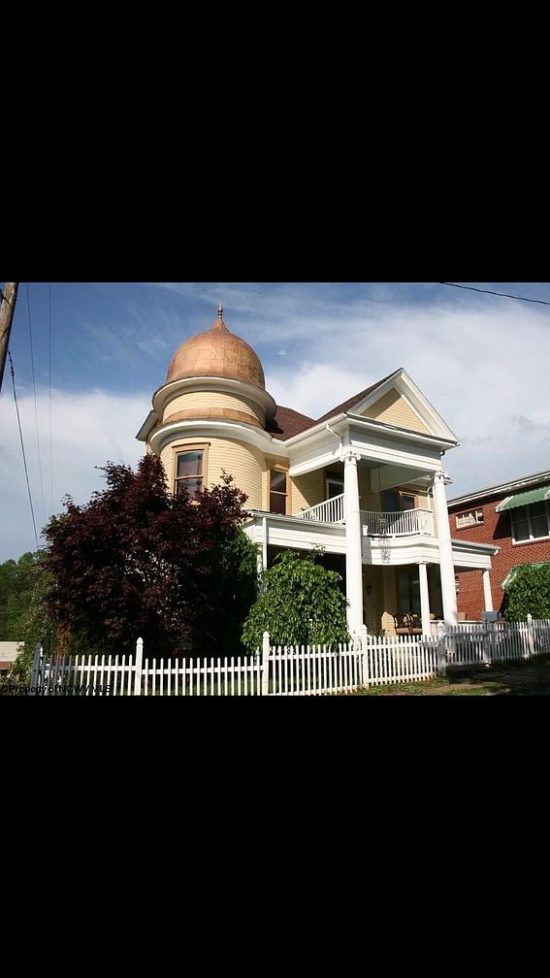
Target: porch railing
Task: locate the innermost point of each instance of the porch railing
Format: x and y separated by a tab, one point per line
331	511
410	522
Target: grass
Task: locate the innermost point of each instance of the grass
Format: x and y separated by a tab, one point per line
531	678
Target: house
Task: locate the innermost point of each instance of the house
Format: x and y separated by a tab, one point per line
8	655
366	481
515	516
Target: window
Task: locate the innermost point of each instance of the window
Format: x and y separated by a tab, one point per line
190	471
530	522
390	502
395	501
335	487
408	592
277	491
470	518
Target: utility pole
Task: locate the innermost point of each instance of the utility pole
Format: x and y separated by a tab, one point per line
9	295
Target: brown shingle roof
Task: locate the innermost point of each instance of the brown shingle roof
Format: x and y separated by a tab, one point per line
287	423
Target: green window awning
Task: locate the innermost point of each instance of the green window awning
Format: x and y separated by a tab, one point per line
513	571
524	498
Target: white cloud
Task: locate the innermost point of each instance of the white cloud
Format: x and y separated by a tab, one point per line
484	369
88	430
483	364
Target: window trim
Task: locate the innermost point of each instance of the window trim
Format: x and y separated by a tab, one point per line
400	493
180	450
530	538
277	468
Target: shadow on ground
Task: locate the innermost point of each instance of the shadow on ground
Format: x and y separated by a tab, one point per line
517	679
530	678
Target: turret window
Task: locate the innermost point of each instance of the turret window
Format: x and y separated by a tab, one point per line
190	472
277	491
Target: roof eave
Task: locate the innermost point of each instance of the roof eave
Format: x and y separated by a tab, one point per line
489	548
507	488
147	426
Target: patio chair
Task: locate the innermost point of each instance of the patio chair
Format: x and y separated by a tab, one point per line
408	624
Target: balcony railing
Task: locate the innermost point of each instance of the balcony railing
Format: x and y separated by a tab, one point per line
410	522
331	511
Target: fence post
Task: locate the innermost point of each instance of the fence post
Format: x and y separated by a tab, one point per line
486	643
364	662
530	636
139	667
265	664
441	649
35	671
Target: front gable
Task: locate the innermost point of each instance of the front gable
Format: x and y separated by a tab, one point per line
394	409
400	403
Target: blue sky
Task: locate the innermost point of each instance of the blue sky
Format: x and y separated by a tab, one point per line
481	360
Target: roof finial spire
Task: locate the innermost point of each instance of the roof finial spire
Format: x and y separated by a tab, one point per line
219	323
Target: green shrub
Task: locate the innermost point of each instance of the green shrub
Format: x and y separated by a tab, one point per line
300	603
529	593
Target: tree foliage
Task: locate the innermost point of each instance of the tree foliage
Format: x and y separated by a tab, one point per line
17	586
137	561
24	617
300	603
529	593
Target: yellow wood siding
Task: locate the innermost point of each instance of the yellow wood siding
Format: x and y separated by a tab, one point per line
393	409
368	500
208	400
307	490
390	600
373	598
245	463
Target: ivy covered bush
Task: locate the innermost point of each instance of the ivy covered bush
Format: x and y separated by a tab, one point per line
529	593
300	603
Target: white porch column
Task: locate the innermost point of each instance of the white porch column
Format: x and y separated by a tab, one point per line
261	559
446	565
354	543
424	599
487	594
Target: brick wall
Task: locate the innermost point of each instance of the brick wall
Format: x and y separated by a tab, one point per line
495	529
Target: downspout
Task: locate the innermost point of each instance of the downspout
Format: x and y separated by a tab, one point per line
264	543
339	437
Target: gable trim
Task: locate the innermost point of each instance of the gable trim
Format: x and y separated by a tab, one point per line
410	392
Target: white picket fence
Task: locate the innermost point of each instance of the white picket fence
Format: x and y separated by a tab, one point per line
292	671
496	642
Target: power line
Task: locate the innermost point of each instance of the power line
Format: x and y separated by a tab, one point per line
50	387
506	295
35	406
23	448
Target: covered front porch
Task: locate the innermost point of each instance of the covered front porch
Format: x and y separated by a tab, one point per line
404	577
374	492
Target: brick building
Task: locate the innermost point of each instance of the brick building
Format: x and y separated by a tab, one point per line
515	516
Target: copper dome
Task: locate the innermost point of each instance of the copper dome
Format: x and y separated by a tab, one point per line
216	352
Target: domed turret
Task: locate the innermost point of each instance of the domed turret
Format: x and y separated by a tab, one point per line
216	352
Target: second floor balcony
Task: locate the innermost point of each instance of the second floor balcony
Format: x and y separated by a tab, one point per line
410	522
